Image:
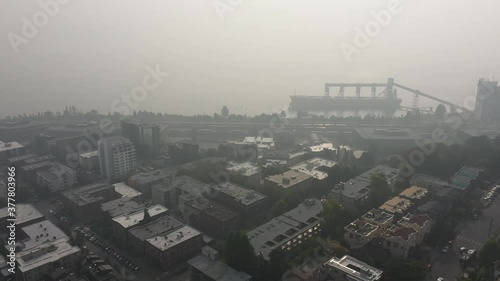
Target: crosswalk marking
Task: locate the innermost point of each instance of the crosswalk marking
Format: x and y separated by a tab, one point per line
472	241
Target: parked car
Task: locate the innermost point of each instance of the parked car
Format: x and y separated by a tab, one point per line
445	249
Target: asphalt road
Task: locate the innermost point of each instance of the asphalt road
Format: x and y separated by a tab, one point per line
470	234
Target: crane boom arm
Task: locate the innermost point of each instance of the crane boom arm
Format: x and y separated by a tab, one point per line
417	92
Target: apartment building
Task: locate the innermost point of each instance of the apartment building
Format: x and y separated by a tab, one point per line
420	223
57	178
117	157
360	232
249	203
289	230
399	240
348	268
175	247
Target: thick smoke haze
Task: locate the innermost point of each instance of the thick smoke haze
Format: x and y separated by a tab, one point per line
261	52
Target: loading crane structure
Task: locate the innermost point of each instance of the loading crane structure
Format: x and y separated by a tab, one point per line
390	91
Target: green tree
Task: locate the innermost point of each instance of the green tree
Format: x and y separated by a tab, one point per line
408	270
340	173
379	190
440	112
292	199
367	159
79	239
147	216
277	264
330	212
493	164
224	112
239	253
394	161
226	151
490	252
378	181
279	208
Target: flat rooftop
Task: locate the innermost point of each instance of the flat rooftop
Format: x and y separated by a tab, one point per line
5	146
130	220
284	228
378	216
45	254
176	237
145	178
403	232
126	191
371	133
190	185
55	171
361	227
37	166
207	160
315	167
353	188
48	176
21	158
37	159
121	206
217	270
91	154
163	186
321	147
414	192
396	205
24	213
86	194
116	140
429	181
258	140
358	187
245	168
357	269
239	193
419	219
211	208
162	225
40	233
390	174
289	178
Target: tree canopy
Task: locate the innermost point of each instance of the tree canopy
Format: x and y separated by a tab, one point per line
340	173
490	252
379	190
239	253
408	270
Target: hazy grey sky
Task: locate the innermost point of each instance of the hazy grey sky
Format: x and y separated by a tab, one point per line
92	52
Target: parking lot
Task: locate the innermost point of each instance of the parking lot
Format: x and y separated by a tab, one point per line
125	264
114	254
470	234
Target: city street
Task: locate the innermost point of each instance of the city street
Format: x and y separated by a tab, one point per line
470	234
